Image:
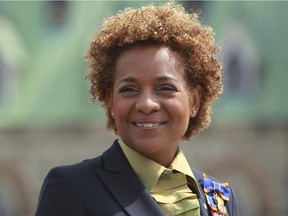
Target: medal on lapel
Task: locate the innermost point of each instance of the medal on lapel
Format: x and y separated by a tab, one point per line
216	194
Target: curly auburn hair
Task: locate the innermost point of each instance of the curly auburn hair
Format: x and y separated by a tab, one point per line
168	25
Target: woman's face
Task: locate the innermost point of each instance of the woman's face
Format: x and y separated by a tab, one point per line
150	103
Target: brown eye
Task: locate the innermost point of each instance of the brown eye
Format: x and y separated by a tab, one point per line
128	89
167	88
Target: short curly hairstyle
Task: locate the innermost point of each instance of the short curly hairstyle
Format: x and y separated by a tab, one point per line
168	25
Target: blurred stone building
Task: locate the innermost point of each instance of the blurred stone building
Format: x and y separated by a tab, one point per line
46	118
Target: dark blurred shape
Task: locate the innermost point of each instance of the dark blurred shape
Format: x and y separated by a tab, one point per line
58	11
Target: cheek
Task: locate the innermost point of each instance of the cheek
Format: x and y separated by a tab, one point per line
121	108
184	110
180	108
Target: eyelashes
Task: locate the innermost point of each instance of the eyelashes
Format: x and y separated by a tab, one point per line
159	89
128	89
168	88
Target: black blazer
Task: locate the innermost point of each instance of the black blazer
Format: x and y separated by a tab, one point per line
104	186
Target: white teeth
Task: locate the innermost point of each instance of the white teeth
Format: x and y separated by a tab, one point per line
147	125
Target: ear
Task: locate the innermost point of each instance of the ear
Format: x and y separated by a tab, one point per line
195	100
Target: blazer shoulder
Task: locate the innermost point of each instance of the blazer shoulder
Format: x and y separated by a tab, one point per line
85	170
63	190
77	168
74	189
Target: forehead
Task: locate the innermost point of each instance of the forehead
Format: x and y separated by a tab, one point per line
150	54
148	63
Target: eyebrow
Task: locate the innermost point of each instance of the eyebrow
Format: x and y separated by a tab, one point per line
158	79
129	80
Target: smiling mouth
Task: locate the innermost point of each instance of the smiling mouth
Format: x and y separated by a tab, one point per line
148	125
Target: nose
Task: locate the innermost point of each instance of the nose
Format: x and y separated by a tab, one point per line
147	103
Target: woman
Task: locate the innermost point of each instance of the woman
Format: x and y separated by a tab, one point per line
155	73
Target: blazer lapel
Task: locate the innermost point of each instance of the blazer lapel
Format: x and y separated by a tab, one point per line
201	197
124	184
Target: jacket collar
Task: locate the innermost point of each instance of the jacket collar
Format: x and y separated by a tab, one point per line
124	185
201	196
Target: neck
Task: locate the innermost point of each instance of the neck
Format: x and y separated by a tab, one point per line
163	158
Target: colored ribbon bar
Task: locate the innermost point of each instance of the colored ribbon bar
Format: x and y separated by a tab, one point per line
213	186
216	193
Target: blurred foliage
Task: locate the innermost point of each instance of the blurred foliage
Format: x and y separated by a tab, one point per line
42	66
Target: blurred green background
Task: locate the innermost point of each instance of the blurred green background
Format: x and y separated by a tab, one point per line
46	118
